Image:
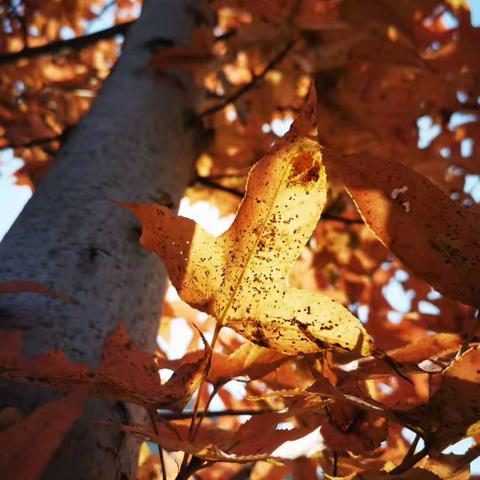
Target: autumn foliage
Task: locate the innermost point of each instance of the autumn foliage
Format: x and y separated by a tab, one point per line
306	335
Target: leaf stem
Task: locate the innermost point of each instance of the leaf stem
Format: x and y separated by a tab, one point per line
469	337
151	414
193	431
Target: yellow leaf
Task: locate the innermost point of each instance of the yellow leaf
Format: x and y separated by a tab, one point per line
240	277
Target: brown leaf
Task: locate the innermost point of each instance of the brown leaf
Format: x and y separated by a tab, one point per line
448	466
255	440
453	411
409	358
432	235
248	360
412	474
126	372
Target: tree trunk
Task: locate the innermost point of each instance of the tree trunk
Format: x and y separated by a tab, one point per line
136	144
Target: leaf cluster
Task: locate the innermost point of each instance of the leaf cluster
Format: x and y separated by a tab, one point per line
357	201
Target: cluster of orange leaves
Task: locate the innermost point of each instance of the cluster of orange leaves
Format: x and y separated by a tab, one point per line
41	96
377	67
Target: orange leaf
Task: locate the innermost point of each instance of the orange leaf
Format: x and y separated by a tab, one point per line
432	235
27	286
26	447
126	372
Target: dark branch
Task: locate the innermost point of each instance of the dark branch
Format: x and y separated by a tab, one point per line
221	413
37	142
337	218
248	86
72	44
208	182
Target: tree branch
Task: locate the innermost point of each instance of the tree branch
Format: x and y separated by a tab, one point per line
337	218
208	182
37	142
248	86
214	414
72	44
409	462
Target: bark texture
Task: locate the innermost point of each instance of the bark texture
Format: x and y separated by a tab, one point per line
136	144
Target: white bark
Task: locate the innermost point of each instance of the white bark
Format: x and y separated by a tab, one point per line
136	144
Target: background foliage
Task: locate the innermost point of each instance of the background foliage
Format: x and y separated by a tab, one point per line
395	80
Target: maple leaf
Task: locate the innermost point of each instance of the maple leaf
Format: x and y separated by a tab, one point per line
26	447
126	372
240	276
432	235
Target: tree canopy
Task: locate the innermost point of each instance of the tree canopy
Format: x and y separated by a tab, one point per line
341	138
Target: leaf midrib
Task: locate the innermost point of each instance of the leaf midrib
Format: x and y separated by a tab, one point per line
250	255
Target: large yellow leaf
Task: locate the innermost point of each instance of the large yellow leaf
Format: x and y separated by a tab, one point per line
240	277
434	237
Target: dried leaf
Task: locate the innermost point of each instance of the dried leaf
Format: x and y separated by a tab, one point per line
417	356
447	467
432	235
255	440
412	474
126	372
240	277
453	410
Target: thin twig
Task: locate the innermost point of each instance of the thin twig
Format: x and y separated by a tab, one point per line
186	462
193	431
335	464
408	463
72	44
248	86
201	415
208	182
338	218
468	339
194	466
411	449
151	415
